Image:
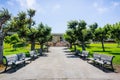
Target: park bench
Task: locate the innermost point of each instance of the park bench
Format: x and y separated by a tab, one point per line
104	60
77	52
22	56
39	52
12	61
83	54
33	54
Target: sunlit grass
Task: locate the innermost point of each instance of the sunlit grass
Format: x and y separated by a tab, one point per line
110	49
8	50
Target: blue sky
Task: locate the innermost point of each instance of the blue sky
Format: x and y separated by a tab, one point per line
56	13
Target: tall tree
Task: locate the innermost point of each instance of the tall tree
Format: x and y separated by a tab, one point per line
32	37
73	25
70	37
44	33
4	17
31	23
115	32
23	23
102	34
93	27
83	34
31	13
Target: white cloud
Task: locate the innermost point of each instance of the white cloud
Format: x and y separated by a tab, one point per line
100	8
56	7
115	4
33	4
27	3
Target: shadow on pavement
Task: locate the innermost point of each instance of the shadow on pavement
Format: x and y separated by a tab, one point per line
65	48
72	56
67	51
12	70
106	70
44	55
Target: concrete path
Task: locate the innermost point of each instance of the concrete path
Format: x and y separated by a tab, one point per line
59	64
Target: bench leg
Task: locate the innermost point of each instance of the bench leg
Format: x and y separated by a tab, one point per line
13	66
103	66
112	67
94	63
5	68
24	63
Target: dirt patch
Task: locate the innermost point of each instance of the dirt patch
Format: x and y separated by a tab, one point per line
2	68
117	68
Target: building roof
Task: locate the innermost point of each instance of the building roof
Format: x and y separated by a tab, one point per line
58	34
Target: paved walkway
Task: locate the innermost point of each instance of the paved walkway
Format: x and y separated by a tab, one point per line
59	64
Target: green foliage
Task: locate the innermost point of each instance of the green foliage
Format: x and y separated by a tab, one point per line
102	34
93	27
7	39
13	40
83	33
43	34
82	25
31	12
115	32
72	24
70	37
4	16
77	31
31	34
20	44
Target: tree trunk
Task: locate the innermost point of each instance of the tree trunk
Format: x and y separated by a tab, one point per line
1	47
32	45
74	47
47	46
42	47
118	44
83	46
70	45
102	41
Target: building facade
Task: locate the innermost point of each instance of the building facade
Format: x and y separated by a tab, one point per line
57	40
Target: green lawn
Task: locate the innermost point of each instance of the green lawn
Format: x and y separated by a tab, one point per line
8	50
110	49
